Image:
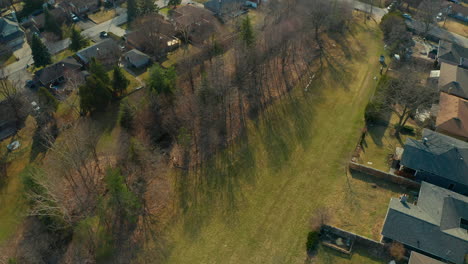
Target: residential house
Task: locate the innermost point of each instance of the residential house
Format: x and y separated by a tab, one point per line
80	7
56	73
58	13
11	34
155	36
452	118
195	25
225	8
137	59
106	52
453	80
436	226
451	53
417	258
437	159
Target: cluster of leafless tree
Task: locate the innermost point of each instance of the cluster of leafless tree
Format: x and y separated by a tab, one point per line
228	82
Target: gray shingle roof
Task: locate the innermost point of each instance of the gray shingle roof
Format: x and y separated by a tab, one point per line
57	70
451	52
441	155
433	225
104	50
137	57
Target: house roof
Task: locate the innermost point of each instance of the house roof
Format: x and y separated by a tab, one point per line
9	30
453	80
440	155
57	70
198	22
433	225
106	49
221	7
417	258
451	52
58	13
137	57
453	115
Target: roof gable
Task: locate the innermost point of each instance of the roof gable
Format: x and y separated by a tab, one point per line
440	155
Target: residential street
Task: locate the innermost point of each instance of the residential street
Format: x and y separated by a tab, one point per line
93	33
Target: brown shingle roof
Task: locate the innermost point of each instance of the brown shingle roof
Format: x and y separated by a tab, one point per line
57	70
453	116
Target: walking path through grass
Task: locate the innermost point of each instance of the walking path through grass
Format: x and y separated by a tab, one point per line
254	201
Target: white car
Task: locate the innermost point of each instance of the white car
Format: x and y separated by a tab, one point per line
35	106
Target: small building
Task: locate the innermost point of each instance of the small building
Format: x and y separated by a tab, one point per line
451	53
436	226
437	159
452	118
56	73
136	58
106	52
11	34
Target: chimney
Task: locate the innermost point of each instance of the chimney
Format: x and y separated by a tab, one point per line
425	139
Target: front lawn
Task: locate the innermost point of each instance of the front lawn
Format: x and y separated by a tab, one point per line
103	15
455	26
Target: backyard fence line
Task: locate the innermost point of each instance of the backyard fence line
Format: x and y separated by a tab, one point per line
384	175
358	239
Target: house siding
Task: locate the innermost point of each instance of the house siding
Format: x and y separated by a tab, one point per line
442	182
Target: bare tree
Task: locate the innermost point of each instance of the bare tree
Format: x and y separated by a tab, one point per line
427	12
14	99
404	95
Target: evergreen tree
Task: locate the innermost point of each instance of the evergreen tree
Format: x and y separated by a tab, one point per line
132	10
47	100
119	81
148	7
97	70
247	32
94	95
40	53
126	116
162	80
51	24
122	201
77	41
174	3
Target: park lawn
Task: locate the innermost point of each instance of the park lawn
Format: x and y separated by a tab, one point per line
380	143
253	201
62	55
455	26
103	15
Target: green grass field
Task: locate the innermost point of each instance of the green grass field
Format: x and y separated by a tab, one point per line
253	202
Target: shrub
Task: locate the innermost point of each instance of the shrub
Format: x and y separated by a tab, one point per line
397	250
372	112
312	241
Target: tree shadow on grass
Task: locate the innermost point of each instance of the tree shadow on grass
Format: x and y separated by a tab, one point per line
377	182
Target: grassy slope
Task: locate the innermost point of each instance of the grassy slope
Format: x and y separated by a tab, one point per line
253	204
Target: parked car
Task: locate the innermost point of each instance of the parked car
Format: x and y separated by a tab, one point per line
75	18
407	16
103	34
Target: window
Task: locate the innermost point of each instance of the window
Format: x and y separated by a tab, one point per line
464	224
451	186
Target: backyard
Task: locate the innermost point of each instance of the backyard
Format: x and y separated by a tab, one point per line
253	202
